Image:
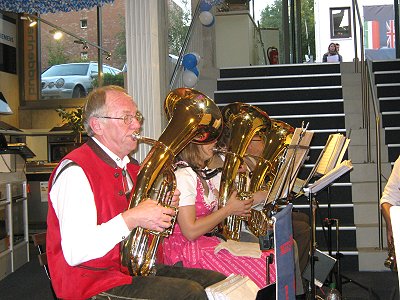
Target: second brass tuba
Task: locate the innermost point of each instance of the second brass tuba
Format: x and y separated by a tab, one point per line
193	116
276	142
243	121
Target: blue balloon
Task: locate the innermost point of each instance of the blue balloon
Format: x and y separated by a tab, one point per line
189	61
204	6
195	71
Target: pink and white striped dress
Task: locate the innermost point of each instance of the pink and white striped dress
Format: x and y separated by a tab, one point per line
200	252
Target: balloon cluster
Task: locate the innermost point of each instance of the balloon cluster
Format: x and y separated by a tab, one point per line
191	73
206	17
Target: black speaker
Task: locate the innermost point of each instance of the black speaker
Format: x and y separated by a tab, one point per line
3	142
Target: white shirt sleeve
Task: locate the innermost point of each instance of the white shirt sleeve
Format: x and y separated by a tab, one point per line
186	183
391	193
81	238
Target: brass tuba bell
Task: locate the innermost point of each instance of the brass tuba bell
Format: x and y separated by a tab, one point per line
267	164
276	142
193	116
243	121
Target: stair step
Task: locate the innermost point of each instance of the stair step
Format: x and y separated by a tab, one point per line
316	121
339	194
347	238
321	135
391	119
389	105
312	107
388	90
270	95
259	82
392	135
394	151
277	70
385	65
343	212
387	77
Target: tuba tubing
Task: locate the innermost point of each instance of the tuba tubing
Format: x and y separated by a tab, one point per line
193	117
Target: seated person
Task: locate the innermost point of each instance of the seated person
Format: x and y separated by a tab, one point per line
192	242
88	215
300	221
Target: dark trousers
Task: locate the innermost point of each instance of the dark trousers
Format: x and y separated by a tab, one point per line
301	233
170	282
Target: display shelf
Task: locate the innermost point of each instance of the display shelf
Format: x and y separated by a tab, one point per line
14	238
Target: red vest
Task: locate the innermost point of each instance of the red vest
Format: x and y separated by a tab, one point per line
101	274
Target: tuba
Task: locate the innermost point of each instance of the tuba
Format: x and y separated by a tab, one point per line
390	261
276	142
192	116
243	121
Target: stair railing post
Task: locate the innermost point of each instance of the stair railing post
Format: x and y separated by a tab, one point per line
353	3
379	179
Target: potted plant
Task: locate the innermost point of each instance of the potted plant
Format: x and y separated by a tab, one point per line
73	119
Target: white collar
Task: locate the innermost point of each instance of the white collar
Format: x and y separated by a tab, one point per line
120	162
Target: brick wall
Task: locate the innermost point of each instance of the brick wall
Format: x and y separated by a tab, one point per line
113	19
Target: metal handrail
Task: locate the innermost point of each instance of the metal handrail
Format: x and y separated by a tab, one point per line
378	146
184	46
367	85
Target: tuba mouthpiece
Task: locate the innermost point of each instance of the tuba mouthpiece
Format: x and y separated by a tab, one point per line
136	135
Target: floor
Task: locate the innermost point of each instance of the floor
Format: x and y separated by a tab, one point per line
30	282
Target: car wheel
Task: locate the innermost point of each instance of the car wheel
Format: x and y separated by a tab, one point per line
78	92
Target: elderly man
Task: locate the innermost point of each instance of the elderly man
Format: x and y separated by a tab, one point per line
88	215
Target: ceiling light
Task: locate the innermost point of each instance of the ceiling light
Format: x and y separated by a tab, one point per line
32	22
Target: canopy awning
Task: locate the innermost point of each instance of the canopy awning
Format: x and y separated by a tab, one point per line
49	6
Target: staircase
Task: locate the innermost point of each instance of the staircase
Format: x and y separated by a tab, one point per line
387	81
295	94
386	75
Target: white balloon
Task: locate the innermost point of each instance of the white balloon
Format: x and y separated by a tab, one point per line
197	56
189	79
206	18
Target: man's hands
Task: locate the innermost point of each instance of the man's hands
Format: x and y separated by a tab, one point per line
149	215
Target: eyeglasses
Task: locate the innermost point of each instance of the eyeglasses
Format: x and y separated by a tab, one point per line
128	119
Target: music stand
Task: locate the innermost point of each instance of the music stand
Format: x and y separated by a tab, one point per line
311	191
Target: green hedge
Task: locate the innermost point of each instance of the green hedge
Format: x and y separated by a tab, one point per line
110	79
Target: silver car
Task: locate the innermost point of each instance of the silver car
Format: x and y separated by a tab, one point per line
72	80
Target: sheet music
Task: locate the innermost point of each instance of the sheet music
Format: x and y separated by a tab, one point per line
333	153
294	159
342	153
332	58
341	169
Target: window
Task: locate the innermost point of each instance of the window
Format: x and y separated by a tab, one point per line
84	56
340	22
83	23
67	56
